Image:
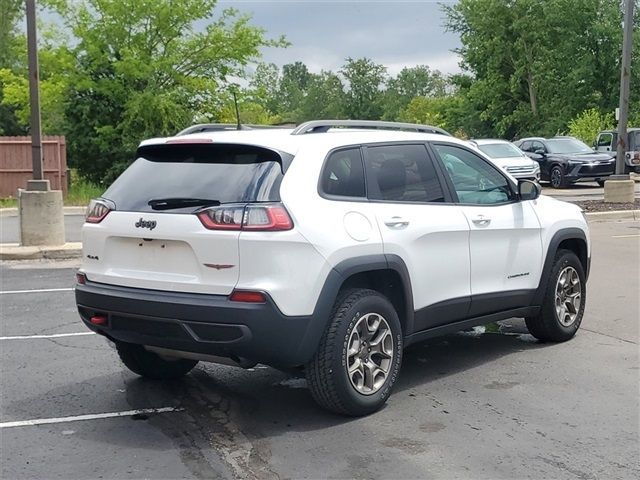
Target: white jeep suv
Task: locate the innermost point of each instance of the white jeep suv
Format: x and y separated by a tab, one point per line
331	247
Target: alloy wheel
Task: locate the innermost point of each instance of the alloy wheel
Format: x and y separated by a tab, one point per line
369	353
568	296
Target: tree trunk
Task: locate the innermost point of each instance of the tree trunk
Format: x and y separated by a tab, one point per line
532	94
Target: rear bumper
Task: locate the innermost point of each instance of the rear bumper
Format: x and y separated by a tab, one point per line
208	324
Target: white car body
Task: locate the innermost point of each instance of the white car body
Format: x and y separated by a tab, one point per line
445	264
441	236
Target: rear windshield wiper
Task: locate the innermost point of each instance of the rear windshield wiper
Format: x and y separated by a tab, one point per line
169	203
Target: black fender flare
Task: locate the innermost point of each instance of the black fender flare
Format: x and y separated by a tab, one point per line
336	279
558	237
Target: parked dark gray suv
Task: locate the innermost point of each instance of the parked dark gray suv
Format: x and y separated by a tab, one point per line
566	160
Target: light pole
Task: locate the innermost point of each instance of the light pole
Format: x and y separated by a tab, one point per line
620	188
40	208
34	96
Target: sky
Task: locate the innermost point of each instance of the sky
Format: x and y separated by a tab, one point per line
323	33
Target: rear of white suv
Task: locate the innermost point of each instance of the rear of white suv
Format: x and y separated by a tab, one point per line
191	250
330	251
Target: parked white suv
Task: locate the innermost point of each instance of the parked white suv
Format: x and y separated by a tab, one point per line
509	158
331	247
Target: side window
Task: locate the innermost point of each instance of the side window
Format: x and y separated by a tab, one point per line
526	146
403	173
343	174
604	140
536	145
474	180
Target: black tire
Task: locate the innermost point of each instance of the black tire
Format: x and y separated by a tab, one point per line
546	326
326	373
600	182
556	177
150	365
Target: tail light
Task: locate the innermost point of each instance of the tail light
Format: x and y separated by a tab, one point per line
97	210
253	217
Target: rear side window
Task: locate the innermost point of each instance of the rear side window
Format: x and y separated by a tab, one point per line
343	174
224	172
403	173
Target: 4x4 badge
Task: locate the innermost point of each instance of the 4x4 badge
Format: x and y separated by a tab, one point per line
150	224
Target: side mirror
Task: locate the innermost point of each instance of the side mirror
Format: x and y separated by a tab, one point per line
528	190
540	152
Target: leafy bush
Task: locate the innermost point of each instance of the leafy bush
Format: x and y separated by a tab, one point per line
589	123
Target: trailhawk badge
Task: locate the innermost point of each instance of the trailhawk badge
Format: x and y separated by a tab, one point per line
150	224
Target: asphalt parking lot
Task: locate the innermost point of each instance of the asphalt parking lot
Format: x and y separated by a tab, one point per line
469	405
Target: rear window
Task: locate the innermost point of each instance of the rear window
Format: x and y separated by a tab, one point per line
223	172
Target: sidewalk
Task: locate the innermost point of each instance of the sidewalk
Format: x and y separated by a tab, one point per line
13	211
13	251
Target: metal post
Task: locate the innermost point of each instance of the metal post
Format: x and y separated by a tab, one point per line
34	96
625	79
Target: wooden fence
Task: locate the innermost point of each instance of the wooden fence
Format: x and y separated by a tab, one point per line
16	165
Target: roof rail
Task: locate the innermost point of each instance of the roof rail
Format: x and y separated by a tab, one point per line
322	126
219	127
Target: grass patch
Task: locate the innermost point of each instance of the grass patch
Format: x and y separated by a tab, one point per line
8	202
80	193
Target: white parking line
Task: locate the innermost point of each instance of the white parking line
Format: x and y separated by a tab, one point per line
54	335
93	416
625	236
42	290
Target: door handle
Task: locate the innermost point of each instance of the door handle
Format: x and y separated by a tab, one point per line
481	221
396	222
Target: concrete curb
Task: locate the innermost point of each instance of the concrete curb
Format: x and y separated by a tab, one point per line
13	212
614	215
13	251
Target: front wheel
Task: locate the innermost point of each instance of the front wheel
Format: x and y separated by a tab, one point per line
556	177
359	356
563	302
148	364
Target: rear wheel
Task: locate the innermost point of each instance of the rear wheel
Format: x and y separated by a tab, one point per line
150	365
556	177
563	302
359	357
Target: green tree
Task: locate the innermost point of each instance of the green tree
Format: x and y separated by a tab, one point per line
142	69
264	87
11	48
411	82
364	94
325	98
537	65
589	123
292	89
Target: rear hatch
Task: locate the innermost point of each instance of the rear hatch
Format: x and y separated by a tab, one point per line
151	236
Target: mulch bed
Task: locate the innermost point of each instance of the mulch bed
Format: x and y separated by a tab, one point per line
601	206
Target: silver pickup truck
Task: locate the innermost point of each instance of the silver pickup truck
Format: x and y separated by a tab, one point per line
607	141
